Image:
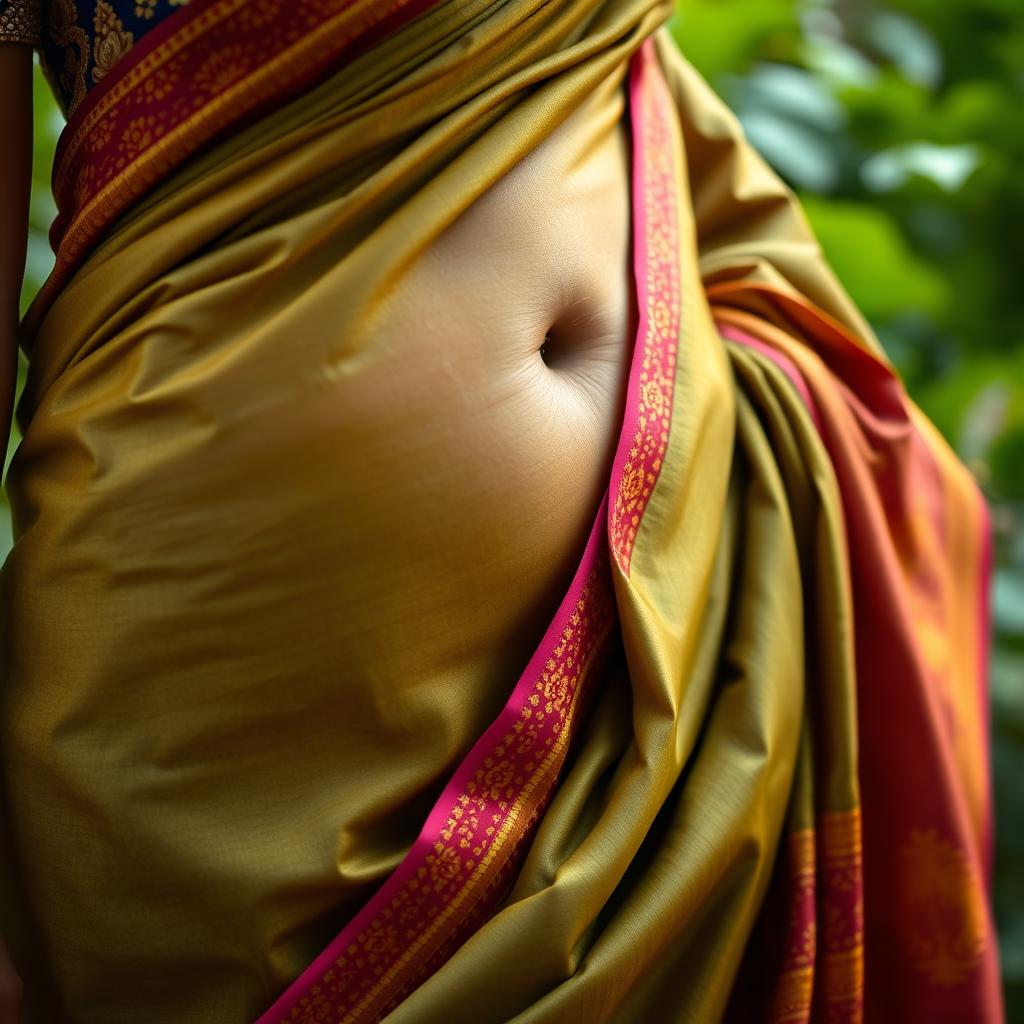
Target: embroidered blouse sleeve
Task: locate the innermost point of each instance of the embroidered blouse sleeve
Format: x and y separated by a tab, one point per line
21	21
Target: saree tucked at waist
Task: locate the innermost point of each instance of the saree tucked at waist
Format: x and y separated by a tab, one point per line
731	765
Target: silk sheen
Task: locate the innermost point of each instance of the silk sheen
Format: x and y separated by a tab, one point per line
299	493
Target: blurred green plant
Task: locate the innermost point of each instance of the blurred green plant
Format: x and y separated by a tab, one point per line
899	124
48	122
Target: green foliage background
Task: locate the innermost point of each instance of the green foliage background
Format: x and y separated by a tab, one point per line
901	125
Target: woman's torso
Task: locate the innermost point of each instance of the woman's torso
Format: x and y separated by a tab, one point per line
279	631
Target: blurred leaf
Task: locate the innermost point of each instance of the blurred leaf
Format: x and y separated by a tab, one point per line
948	166
868	252
725	35
1006	462
47	125
837	63
977	402
800	154
790	92
908	45
1008	605
891	111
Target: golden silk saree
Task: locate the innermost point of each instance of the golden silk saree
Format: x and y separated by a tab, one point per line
743	772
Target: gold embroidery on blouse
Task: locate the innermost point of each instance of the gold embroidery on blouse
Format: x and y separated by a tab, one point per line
21	22
112	41
72	40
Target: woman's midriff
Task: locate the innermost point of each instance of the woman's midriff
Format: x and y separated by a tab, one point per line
290	599
477	445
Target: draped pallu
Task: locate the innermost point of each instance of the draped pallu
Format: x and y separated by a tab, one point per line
744	773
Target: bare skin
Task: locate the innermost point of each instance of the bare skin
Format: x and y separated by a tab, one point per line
507	344
15	182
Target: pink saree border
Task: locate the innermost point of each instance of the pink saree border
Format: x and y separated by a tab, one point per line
657	155
456	869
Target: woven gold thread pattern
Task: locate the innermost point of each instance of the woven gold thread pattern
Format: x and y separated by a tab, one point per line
21	21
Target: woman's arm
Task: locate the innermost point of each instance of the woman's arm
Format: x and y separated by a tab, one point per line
15	183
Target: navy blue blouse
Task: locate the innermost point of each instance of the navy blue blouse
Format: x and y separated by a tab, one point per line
79	41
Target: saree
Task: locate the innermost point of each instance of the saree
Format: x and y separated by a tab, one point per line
740	773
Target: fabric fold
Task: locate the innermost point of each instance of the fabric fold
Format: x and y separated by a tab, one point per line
727	762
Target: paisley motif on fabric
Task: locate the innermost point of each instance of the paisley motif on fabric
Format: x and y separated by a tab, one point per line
945	909
111	40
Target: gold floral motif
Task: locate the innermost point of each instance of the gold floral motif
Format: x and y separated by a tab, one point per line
222	69
101	137
258	14
655	399
944	908
144	9
164	80
112	40
137	135
84	182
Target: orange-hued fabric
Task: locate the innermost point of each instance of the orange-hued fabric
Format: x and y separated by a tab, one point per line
267	598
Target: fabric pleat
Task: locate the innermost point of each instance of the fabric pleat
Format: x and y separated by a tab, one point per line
262	600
